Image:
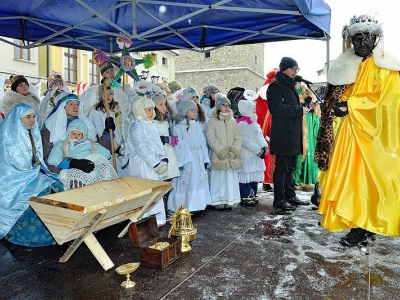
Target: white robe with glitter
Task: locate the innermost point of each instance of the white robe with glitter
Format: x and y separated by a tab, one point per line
191	188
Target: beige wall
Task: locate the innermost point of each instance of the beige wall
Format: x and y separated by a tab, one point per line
11	66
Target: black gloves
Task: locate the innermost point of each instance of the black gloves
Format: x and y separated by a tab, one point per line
164	139
109	124
262	153
84	165
341	109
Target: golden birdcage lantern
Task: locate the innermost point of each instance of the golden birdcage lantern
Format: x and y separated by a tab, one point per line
182	228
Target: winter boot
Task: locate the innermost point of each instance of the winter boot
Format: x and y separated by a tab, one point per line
267	187
355	237
256	201
247	202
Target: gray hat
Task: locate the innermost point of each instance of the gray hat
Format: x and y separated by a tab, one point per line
208	89
174	85
189	92
184	105
221	99
286	63
157	98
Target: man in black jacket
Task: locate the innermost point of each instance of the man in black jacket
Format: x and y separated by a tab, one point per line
286	132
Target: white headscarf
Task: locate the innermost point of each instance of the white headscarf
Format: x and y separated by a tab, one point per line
56	123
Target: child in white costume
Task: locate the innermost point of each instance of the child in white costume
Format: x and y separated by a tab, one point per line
191	188
88	159
225	140
147	156
254	149
191	94
162	122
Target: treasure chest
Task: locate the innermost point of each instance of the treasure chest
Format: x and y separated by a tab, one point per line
155	251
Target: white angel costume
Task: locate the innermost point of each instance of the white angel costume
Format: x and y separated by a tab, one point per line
146	152
121	114
190	189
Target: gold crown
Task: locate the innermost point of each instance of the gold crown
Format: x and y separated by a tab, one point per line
15	78
106	65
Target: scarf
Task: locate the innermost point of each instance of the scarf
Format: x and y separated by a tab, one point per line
244	119
284	78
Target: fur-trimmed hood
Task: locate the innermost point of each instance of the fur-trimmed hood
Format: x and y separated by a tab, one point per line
221	117
345	68
12	98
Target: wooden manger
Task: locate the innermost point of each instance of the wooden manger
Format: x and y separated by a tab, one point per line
76	214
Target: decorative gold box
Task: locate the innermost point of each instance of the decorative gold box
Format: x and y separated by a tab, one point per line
145	234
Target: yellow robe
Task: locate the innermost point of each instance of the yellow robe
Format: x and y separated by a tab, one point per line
362	185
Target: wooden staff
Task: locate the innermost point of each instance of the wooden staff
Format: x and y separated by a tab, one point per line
106	83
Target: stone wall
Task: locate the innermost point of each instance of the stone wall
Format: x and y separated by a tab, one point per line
227	67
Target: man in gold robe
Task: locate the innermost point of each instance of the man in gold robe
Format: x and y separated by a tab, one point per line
358	147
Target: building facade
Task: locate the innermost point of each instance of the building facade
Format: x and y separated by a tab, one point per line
227	67
76	66
15	60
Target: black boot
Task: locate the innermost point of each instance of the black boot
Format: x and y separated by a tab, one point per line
355	237
296	201
316	197
247	202
267	187
282	204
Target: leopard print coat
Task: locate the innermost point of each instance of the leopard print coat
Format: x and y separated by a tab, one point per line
325	139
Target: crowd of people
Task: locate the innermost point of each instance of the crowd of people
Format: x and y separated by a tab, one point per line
214	148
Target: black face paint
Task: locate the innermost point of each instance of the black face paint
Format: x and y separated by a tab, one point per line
363	44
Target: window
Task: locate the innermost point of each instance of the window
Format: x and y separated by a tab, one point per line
70	65
165	61
155	57
20	53
94	77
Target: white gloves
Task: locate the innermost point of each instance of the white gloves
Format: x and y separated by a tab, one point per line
161	168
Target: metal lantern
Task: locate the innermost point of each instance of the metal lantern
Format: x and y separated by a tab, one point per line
182	228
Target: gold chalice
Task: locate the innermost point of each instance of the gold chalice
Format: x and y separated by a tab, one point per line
127	270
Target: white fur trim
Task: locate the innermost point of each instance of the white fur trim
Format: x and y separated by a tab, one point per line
12	98
263	92
385	60
345	68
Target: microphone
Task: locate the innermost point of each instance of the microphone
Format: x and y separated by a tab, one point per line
299	79
307	101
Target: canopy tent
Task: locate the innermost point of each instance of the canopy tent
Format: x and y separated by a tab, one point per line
161	25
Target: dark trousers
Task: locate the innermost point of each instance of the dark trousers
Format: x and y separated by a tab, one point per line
245	189
283	177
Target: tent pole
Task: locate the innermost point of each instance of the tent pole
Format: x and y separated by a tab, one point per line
328	59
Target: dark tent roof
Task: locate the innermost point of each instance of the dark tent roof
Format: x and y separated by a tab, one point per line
160	25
